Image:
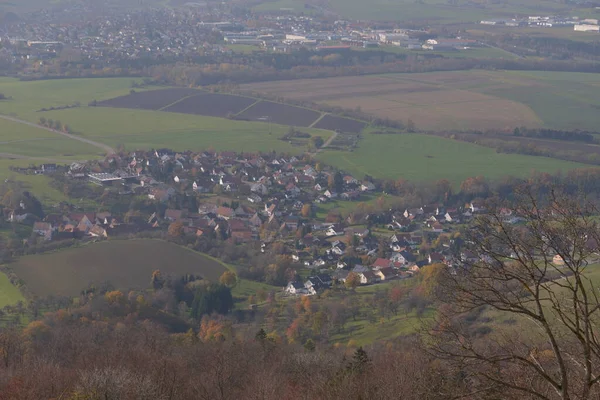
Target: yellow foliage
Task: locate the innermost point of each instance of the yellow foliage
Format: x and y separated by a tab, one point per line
114	297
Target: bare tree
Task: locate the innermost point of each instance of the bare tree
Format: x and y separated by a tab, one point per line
536	274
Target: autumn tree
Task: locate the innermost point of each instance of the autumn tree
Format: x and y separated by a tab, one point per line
176	229
536	273
306	211
352	281
229	279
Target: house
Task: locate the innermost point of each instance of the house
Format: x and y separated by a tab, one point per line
385	274
349	180
340	275
85	224
436	258
436	227
367	186
254	198
398	258
296	288
97	231
330	194
352	195
173	215
368	277
382	263
360	269
335	230
43	229
225	212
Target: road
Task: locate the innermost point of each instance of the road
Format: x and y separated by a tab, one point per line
328	142
107	149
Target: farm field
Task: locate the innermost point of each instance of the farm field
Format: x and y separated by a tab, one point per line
459	100
9	294
143	129
428	158
333	122
125	264
435	10
149	100
280	114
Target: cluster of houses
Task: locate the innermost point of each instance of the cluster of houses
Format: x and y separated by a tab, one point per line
262	199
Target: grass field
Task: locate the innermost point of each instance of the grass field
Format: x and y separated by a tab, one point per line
125	264
460	100
428	158
130	128
9	294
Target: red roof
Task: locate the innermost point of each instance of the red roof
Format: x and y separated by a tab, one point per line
381	263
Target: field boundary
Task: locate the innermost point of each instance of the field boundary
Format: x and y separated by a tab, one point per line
178	101
323	114
251	105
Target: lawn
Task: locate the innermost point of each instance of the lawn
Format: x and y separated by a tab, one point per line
126	264
9	294
428	158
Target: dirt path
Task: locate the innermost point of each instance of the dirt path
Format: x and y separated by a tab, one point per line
328	142
107	149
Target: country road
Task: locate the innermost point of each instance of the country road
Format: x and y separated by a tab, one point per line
107	149
328	142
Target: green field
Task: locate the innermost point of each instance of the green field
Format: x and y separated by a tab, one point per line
133	129
9	294
428	158
431	10
125	264
140	129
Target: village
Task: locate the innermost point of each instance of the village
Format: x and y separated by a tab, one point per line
262	200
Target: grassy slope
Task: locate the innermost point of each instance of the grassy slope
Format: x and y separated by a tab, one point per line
427	158
9	294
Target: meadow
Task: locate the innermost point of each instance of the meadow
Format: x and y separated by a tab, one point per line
125	264
129	128
9	294
459	100
428	158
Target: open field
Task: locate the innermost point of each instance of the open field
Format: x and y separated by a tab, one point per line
125	264
333	122
143	129
190	101
534	32
428	158
439	11
136	128
9	294
280	114
459	100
